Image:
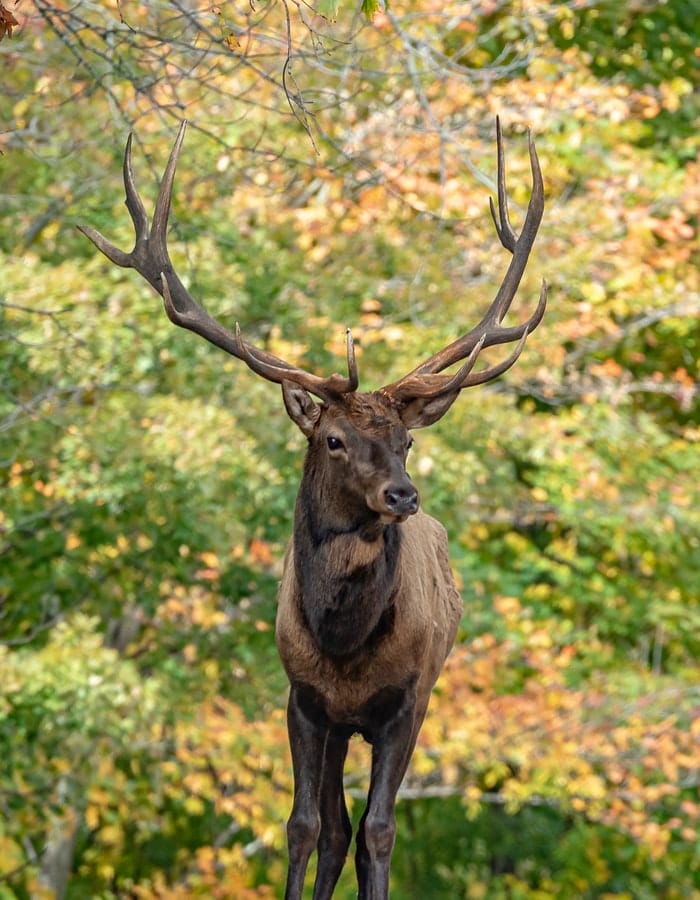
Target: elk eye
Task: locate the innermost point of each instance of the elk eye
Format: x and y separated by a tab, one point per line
334	443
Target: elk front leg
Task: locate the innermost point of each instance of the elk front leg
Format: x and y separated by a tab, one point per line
308	735
393	745
336	830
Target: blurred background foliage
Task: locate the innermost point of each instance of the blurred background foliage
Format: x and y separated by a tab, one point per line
336	172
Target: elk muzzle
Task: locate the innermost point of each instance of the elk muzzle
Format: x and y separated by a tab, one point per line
394	500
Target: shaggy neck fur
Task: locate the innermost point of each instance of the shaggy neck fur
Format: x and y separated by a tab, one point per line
345	561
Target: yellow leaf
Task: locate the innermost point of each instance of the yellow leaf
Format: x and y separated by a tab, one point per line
72	541
211	669
92	816
194	806
210	560
111	835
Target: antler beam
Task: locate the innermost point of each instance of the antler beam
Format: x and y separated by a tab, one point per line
150	258
425	381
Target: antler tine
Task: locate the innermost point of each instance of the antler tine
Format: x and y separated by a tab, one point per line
489	331
151	260
163	201
137	211
260	362
353	376
113	254
501	220
519	246
431	384
484	375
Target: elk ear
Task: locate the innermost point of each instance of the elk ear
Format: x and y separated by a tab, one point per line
301	408
422	411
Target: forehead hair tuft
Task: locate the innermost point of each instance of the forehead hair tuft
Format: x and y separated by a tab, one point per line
373	412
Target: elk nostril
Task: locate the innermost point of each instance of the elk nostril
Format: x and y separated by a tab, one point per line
401	499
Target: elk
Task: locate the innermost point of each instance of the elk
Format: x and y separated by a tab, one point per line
368	609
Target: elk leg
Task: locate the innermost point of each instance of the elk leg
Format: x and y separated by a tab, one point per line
392	747
336	830
307	740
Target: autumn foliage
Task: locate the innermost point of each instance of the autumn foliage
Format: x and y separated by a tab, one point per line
7	22
148	482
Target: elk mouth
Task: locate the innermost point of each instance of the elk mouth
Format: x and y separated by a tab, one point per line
387	519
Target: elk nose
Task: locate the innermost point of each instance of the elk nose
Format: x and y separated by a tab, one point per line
401	501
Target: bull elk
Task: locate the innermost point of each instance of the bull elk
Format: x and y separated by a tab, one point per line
368	609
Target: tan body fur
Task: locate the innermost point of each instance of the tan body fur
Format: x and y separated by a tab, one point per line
428	609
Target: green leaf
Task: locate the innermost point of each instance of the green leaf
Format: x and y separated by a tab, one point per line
370	7
328	8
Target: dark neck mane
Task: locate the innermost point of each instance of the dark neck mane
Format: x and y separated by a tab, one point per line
346	572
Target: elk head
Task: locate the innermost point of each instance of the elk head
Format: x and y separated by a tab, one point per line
358	446
362	438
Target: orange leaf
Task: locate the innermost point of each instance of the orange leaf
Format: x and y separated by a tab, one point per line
7	22
260	552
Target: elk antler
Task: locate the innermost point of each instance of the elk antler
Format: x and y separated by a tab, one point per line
151	260
424	381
